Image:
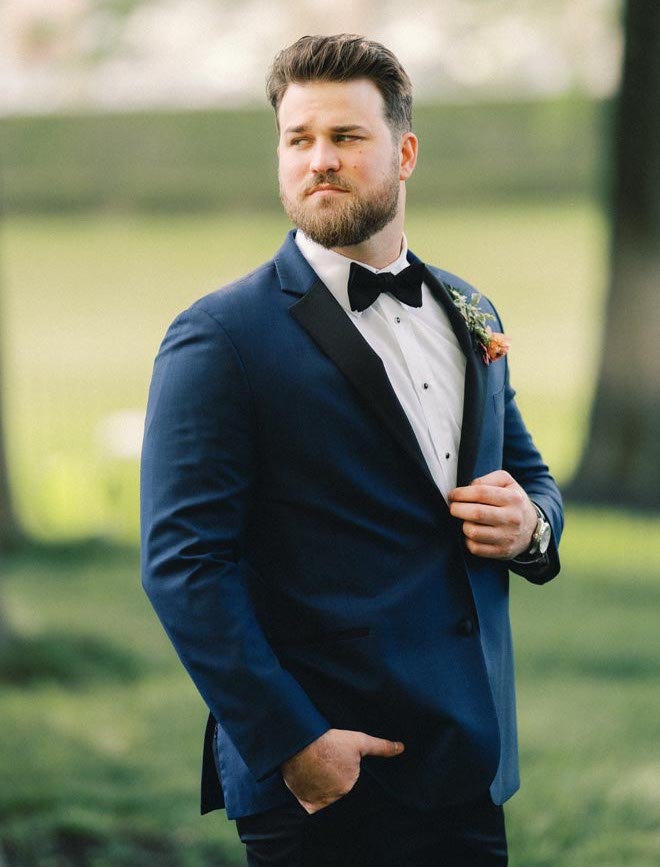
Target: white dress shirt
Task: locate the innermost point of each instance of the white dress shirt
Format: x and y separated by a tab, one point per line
421	354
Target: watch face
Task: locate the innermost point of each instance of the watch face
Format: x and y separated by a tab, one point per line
544	540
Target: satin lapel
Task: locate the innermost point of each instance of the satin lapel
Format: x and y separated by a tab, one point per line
321	315
476	380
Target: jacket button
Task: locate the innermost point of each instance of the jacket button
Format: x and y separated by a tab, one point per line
466	626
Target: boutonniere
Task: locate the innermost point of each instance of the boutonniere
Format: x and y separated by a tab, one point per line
493	344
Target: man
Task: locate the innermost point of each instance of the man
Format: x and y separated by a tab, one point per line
336	481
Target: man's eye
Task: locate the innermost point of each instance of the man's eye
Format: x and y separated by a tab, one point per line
297	142
346	137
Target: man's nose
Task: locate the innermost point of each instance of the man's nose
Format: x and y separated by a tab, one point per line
324	157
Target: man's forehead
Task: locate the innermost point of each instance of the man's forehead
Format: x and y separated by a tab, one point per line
342	103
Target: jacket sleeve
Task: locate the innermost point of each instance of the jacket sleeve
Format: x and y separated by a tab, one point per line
523	461
198	475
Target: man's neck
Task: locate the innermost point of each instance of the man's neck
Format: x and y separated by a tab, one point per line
380	250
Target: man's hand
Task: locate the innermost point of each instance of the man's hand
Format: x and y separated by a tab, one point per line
329	767
498	516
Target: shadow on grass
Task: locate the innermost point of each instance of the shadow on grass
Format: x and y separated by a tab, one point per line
62	554
606	666
70	660
58	656
72	847
634	594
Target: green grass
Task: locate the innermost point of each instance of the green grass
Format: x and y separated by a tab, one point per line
104	771
588	660
87	300
101	771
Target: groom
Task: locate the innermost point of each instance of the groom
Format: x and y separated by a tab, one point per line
336	482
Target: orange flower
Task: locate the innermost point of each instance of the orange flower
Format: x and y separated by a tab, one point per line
498	345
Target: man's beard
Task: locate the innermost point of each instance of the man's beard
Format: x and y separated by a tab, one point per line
337	223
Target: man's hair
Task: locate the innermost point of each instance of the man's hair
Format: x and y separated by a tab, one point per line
344	57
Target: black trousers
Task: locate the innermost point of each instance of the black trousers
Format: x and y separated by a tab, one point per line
367	828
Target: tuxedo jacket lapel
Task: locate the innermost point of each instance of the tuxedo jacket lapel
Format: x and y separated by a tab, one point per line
473	416
324	319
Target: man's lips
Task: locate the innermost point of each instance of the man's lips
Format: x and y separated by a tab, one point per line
326	188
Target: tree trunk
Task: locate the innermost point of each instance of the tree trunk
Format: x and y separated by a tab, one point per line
9	529
621	462
9	533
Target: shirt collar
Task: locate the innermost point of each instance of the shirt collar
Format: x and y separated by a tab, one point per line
333	268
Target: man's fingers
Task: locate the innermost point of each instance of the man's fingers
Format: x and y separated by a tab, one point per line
498	516
477	513
371	746
498	478
477	493
490	552
490	488
482	534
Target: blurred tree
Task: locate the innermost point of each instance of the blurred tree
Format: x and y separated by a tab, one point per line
9	533
621	462
9	530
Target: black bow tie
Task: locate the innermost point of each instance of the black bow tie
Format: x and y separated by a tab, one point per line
364	286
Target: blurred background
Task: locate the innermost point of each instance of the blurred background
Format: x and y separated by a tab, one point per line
138	173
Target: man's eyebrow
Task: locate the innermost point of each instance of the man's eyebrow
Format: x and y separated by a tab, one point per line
343	128
351	127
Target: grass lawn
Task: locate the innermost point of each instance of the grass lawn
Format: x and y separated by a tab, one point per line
103	770
100	763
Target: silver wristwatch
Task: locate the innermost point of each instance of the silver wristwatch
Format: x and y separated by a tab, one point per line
540	536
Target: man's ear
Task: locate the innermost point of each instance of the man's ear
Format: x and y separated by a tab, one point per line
408	151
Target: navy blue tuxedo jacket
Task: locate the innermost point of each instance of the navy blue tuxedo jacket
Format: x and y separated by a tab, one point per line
301	558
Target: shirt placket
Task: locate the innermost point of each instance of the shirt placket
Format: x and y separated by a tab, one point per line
422	380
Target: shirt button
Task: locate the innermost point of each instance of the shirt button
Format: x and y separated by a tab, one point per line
466	626
397	319
425	385
447	455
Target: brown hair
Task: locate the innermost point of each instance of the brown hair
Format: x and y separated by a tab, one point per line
344	57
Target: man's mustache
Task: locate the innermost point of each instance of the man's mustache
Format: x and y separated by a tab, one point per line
327	178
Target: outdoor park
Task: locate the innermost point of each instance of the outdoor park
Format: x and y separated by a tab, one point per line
112	224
